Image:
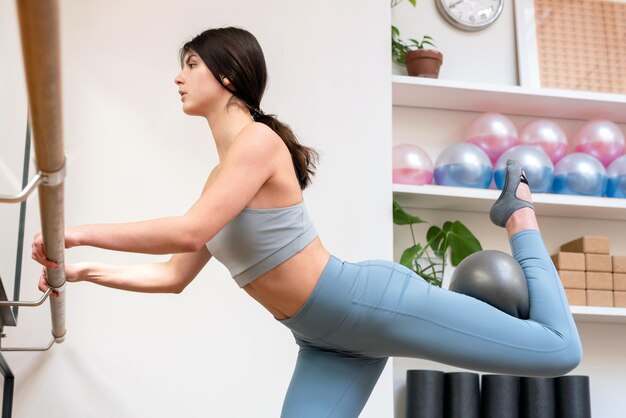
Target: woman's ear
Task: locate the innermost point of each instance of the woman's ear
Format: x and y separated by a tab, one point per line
227	83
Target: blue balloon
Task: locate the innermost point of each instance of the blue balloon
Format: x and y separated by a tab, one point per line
537	166
616	185
579	174
463	165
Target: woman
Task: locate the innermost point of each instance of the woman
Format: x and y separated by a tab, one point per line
347	318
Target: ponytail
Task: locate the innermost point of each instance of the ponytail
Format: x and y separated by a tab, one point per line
304	159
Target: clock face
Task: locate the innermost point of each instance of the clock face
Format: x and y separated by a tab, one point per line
470	14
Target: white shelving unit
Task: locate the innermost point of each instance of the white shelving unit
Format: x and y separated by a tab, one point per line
546	103
480	200
514	100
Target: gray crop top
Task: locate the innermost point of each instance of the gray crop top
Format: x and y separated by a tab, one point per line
257	240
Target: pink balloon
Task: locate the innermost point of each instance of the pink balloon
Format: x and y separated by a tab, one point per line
546	135
600	138
411	165
493	133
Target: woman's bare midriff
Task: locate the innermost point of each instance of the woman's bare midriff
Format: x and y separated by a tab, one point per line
284	289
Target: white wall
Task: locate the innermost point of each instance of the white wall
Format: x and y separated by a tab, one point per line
487	56
133	154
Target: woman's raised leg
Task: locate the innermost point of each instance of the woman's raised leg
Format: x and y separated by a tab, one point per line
396	313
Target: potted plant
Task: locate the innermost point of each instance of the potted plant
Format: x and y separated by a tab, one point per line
429	260
419	61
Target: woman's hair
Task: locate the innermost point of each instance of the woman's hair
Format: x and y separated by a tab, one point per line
235	53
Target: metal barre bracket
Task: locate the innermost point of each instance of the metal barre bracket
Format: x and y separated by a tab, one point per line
47	179
34	303
23	195
54	178
45	348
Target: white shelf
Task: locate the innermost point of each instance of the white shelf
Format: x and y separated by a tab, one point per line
480	200
599	314
515	100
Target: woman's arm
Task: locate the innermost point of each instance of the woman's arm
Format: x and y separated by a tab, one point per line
155	236
170	277
249	163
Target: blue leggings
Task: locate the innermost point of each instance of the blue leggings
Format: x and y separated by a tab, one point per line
359	314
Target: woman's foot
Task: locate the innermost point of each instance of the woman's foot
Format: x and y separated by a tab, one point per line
515	196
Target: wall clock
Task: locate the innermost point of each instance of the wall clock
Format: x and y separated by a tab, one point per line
470	15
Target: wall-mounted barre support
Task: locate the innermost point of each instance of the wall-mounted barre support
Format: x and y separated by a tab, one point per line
44	348
29	304
47	179
23	195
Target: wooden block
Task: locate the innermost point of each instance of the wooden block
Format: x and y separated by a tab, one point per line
619	281
619	299
569	261
576	297
619	264
598	262
572	279
587	244
599	280
599	297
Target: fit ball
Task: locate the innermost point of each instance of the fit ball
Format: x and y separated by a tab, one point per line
463	165
616	173
546	135
579	174
493	133
495	278
537	166
601	139
411	165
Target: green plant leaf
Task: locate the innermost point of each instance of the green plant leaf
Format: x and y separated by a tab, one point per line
400	217
428	43
436	240
428	37
413	2
461	241
408	256
395	32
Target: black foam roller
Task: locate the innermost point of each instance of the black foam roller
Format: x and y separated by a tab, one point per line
537	399
461	395
572	397
424	393
499	396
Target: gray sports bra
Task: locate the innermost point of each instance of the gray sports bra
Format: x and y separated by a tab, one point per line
257	240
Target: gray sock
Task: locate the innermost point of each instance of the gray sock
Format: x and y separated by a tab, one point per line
508	203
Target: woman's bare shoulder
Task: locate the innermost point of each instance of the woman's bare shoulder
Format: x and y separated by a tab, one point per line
259	129
212	176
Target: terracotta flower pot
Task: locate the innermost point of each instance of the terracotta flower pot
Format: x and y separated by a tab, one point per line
423	62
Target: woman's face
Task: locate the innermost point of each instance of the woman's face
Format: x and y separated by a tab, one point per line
197	87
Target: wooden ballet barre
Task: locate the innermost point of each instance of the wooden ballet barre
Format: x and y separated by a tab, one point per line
39	30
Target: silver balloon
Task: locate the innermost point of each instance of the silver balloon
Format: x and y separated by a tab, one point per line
579	174
537	166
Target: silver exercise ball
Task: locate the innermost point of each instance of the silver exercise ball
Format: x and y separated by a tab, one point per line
495	278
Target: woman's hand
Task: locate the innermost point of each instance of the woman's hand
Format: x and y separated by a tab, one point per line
72	274
38	255
37	248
